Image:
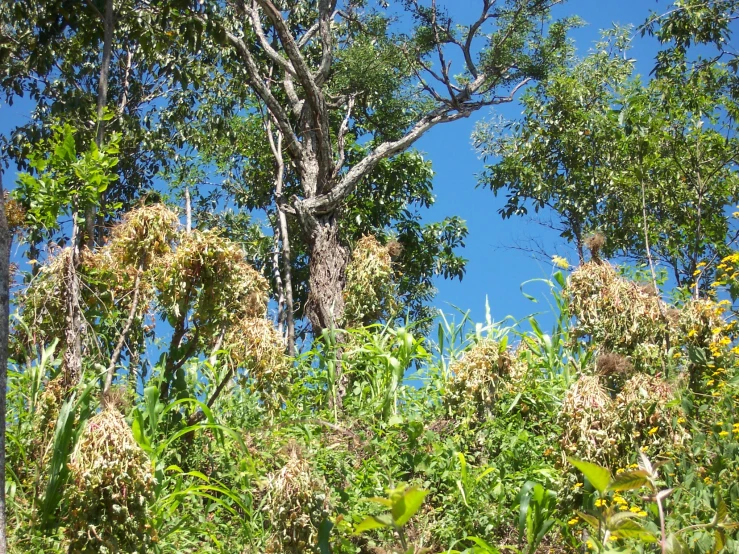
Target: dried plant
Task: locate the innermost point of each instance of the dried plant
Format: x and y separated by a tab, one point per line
646	410
588	420
110	489
477	375
369	291
143	236
617	314
296	502
256	346
212	273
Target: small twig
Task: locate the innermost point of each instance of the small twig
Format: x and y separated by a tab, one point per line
124	333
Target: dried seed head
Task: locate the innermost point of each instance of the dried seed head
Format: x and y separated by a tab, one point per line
595	243
613	364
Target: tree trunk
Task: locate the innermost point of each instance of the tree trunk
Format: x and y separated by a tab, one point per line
328	261
72	361
287	268
325	307
5	239
102	99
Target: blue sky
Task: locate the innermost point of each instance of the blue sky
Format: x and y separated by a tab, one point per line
495	269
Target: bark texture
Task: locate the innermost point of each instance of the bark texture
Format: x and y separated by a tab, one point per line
5	240
328	261
72	361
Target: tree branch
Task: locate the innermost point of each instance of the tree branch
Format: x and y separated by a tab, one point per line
327	202
124	333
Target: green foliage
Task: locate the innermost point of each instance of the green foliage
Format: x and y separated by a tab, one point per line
403	502
600	148
372	439
66	181
536	504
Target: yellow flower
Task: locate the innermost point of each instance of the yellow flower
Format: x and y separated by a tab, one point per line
723	434
560	262
681	420
692	333
600	502
710	382
573	521
642	513
578	485
653	430
635	509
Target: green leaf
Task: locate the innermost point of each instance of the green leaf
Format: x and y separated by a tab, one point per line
673	545
373	522
598	476
324	534
379	500
523	506
630	529
590	520
629	480
407	506
720	538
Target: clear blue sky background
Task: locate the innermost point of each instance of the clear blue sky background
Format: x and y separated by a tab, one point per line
495	268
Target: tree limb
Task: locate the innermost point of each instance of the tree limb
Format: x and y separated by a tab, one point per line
124	333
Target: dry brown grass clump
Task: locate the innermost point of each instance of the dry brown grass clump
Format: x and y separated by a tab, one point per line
15	214
42	305
614	369
369	291
619	315
588	420
256	346
609	364
646	411
110	489
144	235
215	270
477	375
595	244
295	503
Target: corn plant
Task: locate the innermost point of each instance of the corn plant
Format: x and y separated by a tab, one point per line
536	506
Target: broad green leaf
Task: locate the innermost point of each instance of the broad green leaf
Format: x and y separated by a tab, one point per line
408	505
379	500
590	520
598	476
324	534
630	529
720	540
373	522
629	480
673	545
